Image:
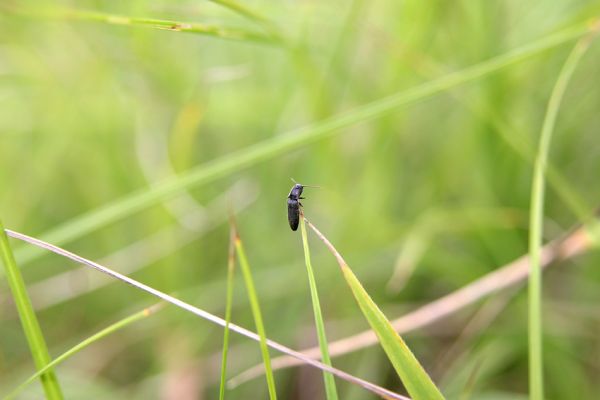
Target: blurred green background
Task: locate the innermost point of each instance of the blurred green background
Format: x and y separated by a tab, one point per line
92	112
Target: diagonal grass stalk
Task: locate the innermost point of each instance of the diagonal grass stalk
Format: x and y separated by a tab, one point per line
256	313
536	382
176	26
31	326
418	384
228	304
330	389
206	315
282	144
85	343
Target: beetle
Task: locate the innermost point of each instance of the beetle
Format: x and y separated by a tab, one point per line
293	204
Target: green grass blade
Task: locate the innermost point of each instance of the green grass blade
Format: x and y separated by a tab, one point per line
245	267
536	382
228	303
82	345
176	26
282	144
205	315
330	389
31	326
418	384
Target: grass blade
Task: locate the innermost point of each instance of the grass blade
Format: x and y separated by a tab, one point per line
228	303
536	382
83	344
418	384
260	328
578	242
330	389
282	144
176	26
31	326
206	315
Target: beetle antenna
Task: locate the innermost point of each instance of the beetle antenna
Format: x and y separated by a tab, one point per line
312	186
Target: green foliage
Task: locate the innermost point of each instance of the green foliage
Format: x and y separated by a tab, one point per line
416	380
127	144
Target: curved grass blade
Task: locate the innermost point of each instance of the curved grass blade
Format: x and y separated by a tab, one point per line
536	381
282	144
85	343
330	389
255	306
31	326
418	384
384	393
228	303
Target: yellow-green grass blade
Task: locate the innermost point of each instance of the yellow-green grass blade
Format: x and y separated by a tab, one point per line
228	304
123	20
256	313
83	344
536	381
31	326
330	389
418	384
282	144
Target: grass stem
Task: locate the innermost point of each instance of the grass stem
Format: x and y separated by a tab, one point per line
31	326
536	382
330	389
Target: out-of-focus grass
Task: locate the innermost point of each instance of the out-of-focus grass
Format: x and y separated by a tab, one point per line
86	107
536	382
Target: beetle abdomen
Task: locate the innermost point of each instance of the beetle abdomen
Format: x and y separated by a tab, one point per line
293	213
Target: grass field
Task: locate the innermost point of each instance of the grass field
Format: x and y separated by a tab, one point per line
129	131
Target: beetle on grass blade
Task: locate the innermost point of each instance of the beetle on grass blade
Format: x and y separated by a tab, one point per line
294	204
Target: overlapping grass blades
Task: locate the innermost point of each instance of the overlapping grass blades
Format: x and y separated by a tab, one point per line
206	315
418	384
83	344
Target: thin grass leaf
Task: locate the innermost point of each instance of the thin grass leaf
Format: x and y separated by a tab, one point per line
176	26
228	304
536	380
418	384
31	326
85	343
330	389
282	144
387	394
256	313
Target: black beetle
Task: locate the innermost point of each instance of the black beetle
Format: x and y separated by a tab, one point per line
294	204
